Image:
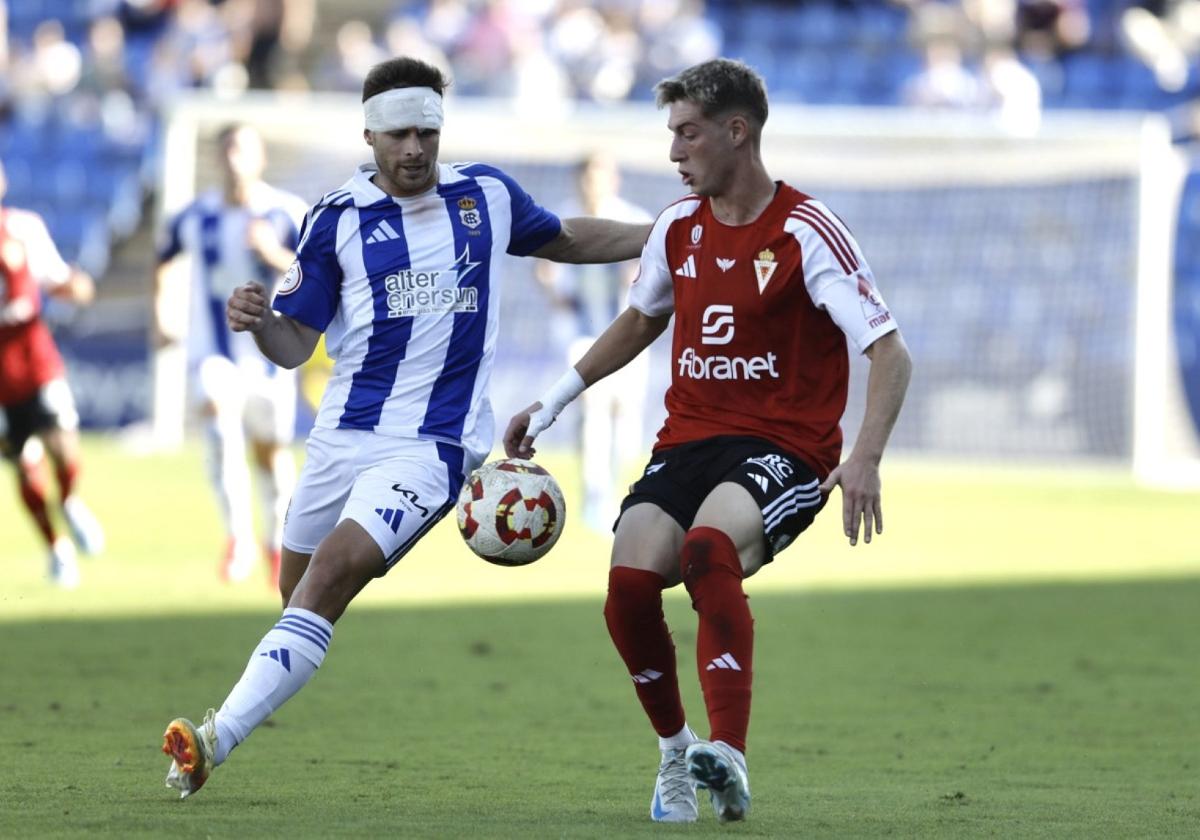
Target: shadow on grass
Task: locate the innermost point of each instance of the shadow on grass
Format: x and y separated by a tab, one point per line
1055	711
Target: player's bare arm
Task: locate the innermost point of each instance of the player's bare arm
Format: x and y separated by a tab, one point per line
79	288
858	476
587	239
629	334
264	241
285	341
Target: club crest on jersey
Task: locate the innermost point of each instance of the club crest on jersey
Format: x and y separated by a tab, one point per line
291	279
873	307
468	212
764	268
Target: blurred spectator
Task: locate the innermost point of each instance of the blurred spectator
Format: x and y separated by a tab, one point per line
53	66
1011	91
104	60
1165	36
356	53
268	36
1047	28
677	35
404	37
944	80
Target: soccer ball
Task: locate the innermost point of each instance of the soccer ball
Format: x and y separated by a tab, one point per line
511	511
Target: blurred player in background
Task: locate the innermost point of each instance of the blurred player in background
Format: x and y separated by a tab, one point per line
585	299
766	286
400	270
39	411
244	229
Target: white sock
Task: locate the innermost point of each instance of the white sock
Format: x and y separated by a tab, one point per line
679	740
282	663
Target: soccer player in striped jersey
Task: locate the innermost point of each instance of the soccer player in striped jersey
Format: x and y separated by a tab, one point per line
242	229
39	416
767	287
400	269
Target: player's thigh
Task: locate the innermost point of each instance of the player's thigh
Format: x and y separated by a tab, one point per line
648	538
405	488
322	488
731	509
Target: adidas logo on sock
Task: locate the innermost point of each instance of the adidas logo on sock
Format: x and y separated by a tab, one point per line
280	655
383	233
724	662
647	676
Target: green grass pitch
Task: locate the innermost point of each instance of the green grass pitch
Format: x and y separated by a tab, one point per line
1017	656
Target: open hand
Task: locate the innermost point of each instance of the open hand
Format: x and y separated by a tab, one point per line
518	437
861	497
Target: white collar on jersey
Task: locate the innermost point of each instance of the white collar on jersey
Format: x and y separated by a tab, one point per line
409	107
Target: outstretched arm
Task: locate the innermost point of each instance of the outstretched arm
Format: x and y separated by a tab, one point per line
588	239
858	475
629	334
285	341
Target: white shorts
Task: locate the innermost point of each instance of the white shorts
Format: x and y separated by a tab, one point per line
266	402
395	488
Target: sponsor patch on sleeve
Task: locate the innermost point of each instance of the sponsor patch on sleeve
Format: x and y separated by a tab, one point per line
291	279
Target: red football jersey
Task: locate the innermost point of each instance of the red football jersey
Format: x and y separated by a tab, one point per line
763	312
28	261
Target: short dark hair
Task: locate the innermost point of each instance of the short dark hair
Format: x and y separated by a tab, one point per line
719	87
402	72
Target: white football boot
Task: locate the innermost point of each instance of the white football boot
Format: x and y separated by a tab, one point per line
192	753
674	797
85	529
64	569
716	766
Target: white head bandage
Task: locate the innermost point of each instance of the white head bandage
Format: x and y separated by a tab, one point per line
410	107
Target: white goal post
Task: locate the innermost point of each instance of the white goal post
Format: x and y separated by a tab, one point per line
1031	273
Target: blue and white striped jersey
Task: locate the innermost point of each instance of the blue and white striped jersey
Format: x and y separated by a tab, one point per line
215	234
406	291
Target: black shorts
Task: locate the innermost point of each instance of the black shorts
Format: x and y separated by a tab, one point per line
679	479
44	410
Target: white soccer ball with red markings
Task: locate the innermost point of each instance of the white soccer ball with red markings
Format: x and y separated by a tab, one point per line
511	511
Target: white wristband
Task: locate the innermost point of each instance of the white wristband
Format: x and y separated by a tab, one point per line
569	386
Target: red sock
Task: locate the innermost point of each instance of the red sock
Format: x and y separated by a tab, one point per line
635	621
66	473
712	574
33	494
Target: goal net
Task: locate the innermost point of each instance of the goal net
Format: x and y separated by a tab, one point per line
1029	274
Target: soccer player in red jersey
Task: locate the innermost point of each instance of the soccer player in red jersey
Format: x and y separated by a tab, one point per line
39	411
768	287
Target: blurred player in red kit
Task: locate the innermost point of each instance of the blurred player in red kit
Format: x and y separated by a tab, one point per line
39	411
767	287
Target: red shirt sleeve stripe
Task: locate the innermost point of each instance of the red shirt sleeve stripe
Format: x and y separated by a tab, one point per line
829	232
836	224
